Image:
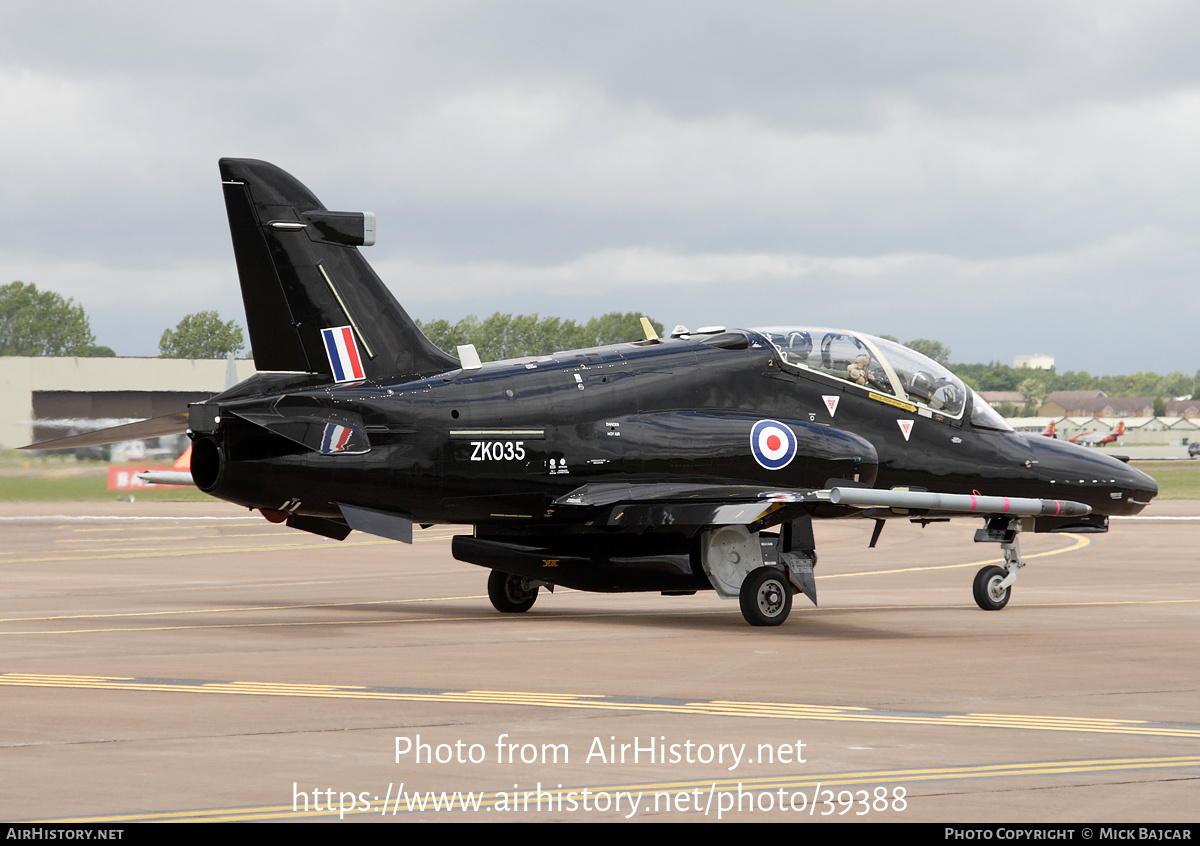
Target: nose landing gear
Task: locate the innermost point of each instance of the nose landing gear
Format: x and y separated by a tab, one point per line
991	594
993	585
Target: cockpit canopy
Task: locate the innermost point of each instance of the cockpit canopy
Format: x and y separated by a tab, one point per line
881	366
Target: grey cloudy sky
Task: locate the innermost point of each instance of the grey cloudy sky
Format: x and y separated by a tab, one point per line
1007	178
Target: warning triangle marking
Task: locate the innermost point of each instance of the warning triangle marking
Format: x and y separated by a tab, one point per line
905	428
831	404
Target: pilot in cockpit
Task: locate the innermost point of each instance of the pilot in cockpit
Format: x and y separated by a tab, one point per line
859	370
860	373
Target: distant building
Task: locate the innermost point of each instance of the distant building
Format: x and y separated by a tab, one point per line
996	399
1034	362
50	396
1138	430
1187	409
1095	404
1033	425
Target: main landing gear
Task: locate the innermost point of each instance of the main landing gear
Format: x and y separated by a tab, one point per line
511	594
993	585
762	571
766	597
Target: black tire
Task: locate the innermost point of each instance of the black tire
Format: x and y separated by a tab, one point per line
510	594
766	597
988	594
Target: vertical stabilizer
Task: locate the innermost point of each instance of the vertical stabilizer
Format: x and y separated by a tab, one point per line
302	274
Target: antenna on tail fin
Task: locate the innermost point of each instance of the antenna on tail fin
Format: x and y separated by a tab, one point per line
313	304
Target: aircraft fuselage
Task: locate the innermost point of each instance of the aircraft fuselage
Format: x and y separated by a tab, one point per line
500	445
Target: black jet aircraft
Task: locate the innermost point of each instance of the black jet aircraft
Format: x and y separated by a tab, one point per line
692	462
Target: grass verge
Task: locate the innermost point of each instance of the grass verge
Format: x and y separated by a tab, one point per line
1176	479
84	487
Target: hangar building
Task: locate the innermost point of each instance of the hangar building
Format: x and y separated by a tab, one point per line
109	391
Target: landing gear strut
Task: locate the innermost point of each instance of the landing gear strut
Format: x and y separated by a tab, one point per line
993	585
511	594
763	572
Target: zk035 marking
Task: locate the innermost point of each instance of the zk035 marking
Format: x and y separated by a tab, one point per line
498	450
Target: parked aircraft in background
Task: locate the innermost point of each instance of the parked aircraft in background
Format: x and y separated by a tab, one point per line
1096	439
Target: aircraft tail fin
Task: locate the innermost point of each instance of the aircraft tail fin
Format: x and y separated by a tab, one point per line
313	303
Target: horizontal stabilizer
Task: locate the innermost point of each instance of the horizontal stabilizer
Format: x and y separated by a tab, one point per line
155	427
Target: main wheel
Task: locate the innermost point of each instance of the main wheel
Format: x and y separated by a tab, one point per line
510	594
766	597
989	595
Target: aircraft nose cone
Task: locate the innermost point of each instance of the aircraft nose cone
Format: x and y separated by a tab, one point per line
1143	483
1108	484
1138	488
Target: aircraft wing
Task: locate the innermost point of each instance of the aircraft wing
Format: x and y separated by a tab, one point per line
683	504
155	427
611	493
662	504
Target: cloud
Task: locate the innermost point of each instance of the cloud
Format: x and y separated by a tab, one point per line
540	154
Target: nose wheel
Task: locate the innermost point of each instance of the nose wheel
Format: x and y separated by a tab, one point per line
766	597
991	594
993	585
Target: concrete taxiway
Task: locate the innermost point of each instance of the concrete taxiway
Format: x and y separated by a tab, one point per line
180	661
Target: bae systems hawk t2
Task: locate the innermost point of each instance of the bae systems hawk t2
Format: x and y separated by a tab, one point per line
691	462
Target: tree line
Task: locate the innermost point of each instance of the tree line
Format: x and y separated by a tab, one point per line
504	336
1037	385
34	322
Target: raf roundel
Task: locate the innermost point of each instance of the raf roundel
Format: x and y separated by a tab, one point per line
773	444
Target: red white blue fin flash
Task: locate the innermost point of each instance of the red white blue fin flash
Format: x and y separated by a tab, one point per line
343	354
